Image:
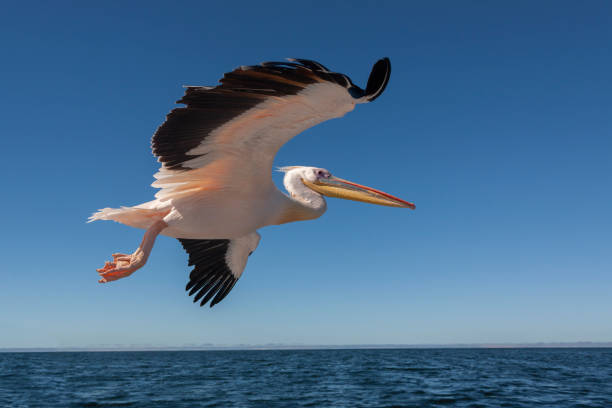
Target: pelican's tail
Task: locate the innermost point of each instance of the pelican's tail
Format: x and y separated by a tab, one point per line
138	216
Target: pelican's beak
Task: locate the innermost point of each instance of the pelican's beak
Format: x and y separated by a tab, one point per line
336	187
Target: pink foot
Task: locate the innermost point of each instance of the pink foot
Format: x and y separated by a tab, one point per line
122	266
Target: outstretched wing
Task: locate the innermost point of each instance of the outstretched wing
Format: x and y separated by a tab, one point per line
219	263
235	129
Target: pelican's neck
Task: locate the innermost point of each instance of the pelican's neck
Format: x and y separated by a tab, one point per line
302	194
302	203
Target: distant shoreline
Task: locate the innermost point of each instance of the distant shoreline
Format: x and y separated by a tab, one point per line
244	347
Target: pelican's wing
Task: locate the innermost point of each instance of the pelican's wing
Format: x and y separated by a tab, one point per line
219	263
236	128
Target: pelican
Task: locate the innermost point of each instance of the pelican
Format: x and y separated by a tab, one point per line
216	157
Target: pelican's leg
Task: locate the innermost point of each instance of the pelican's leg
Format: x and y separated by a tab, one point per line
124	265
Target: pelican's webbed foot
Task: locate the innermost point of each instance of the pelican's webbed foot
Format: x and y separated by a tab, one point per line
124	265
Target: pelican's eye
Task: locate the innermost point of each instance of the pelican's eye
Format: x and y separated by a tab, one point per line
323	174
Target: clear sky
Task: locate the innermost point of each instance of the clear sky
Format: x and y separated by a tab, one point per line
497	123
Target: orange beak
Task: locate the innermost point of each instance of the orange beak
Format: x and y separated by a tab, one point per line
339	188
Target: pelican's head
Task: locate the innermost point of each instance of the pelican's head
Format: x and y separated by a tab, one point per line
321	181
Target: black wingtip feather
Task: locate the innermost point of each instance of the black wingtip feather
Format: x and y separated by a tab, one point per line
213	291
310	64
223	292
211	278
207	288
379	78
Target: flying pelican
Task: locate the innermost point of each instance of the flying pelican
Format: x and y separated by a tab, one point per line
215	181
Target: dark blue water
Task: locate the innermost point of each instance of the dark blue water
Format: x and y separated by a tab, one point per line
310	378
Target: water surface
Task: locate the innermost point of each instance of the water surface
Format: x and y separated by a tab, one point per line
310	378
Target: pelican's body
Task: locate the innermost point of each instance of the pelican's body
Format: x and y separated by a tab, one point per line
215	182
224	214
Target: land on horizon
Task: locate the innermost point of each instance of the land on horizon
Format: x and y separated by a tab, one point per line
212	347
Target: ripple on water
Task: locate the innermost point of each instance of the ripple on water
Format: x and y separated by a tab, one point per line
560	378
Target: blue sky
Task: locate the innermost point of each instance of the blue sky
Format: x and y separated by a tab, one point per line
497	123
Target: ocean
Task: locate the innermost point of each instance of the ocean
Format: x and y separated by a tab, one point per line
493	378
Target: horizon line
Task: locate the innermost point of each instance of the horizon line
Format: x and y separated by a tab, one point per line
280	346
